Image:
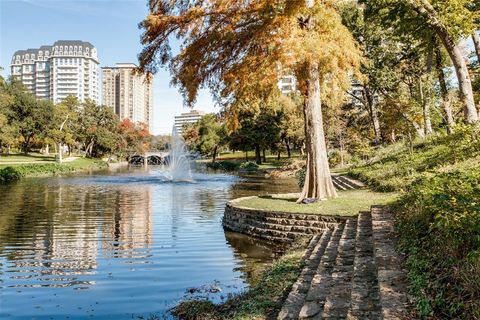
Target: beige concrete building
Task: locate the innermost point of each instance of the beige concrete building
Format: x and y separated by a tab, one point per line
129	94
66	68
186	118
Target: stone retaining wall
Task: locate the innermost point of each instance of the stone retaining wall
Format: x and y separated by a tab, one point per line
275	226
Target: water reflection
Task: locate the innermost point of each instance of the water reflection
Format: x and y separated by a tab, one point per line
102	246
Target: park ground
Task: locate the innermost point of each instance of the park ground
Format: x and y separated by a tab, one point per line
17	166
433	186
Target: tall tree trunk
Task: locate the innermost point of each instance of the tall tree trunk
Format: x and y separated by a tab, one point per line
287	145
278	155
214	154
26	144
60	153
427	122
476	44
424	8
264	157
318	181
444	91
372	110
258	157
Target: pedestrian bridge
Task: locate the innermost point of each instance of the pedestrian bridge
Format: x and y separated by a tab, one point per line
152	158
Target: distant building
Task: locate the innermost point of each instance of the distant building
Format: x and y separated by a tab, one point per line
129	94
287	84
185	118
68	67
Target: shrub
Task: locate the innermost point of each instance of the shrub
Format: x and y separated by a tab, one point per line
8	174
439	226
300	175
249	166
223	165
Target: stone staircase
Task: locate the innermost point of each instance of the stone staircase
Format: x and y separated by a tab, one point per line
342	182
351	272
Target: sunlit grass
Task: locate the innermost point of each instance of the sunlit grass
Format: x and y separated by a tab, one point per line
348	203
30	157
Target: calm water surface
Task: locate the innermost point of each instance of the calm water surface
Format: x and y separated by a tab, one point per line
123	245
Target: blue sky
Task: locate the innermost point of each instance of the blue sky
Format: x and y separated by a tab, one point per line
110	25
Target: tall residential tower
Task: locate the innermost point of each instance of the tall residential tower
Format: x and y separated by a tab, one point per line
68	67
129	94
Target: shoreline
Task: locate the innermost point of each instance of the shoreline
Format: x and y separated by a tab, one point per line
14	172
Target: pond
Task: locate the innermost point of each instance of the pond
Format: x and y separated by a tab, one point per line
123	245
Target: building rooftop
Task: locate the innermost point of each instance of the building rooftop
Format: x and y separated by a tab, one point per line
192	113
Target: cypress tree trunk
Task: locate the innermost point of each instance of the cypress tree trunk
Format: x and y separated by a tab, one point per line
264	157
424	8
318	181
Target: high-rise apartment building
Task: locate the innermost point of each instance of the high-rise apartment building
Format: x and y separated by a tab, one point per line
186	118
128	93
287	84
68	67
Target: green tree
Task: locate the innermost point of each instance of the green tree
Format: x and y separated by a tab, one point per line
212	135
63	126
97	129
449	20
29	116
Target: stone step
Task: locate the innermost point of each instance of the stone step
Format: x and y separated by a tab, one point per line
343	183
337	303
365	295
391	278
353	272
296	297
322	280
356	184
338	184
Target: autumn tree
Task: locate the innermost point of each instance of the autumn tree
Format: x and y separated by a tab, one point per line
241	48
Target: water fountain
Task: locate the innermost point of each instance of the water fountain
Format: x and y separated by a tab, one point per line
177	163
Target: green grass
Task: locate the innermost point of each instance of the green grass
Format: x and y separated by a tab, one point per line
397	166
30	157
17	171
263	299
438	218
348	203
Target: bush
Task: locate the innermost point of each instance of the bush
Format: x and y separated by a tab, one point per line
300	175
439	225
249	166
9	174
225	165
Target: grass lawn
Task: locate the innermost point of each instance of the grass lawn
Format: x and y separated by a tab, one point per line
348	203
30	157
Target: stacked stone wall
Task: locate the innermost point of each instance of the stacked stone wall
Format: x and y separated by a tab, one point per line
274	225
